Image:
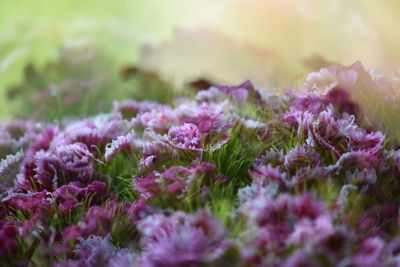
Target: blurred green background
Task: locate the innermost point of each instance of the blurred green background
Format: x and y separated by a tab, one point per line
272	42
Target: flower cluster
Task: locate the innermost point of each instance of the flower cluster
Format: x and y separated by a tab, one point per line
233	177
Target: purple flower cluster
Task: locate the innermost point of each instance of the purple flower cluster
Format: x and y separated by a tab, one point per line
214	181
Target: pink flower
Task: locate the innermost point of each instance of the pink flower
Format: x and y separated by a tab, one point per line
158	120
311	231
262	175
369	252
123	142
174	181
156	153
240	93
186	136
307	102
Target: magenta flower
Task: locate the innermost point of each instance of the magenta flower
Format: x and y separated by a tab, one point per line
341	101
75	160
8	237
47	170
28	203
99	220
69	196
42	141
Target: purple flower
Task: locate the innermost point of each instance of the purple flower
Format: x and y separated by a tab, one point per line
95	132
47	170
241	92
300	120
69	196
358	166
212	122
28	203
262	175
377	219
308	174
75	160
130	108
8	170
340	99
210	95
308	231
369	252
307	102
8	237
302	258
186	136
330	132
302	156
372	142
271	157
100	220
307	206
124	257
17	134
156	153
282	219
43	140
123	142
393	249
158	120
174	181
193	240
92	252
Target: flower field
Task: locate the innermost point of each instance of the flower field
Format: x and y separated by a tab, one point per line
219	175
